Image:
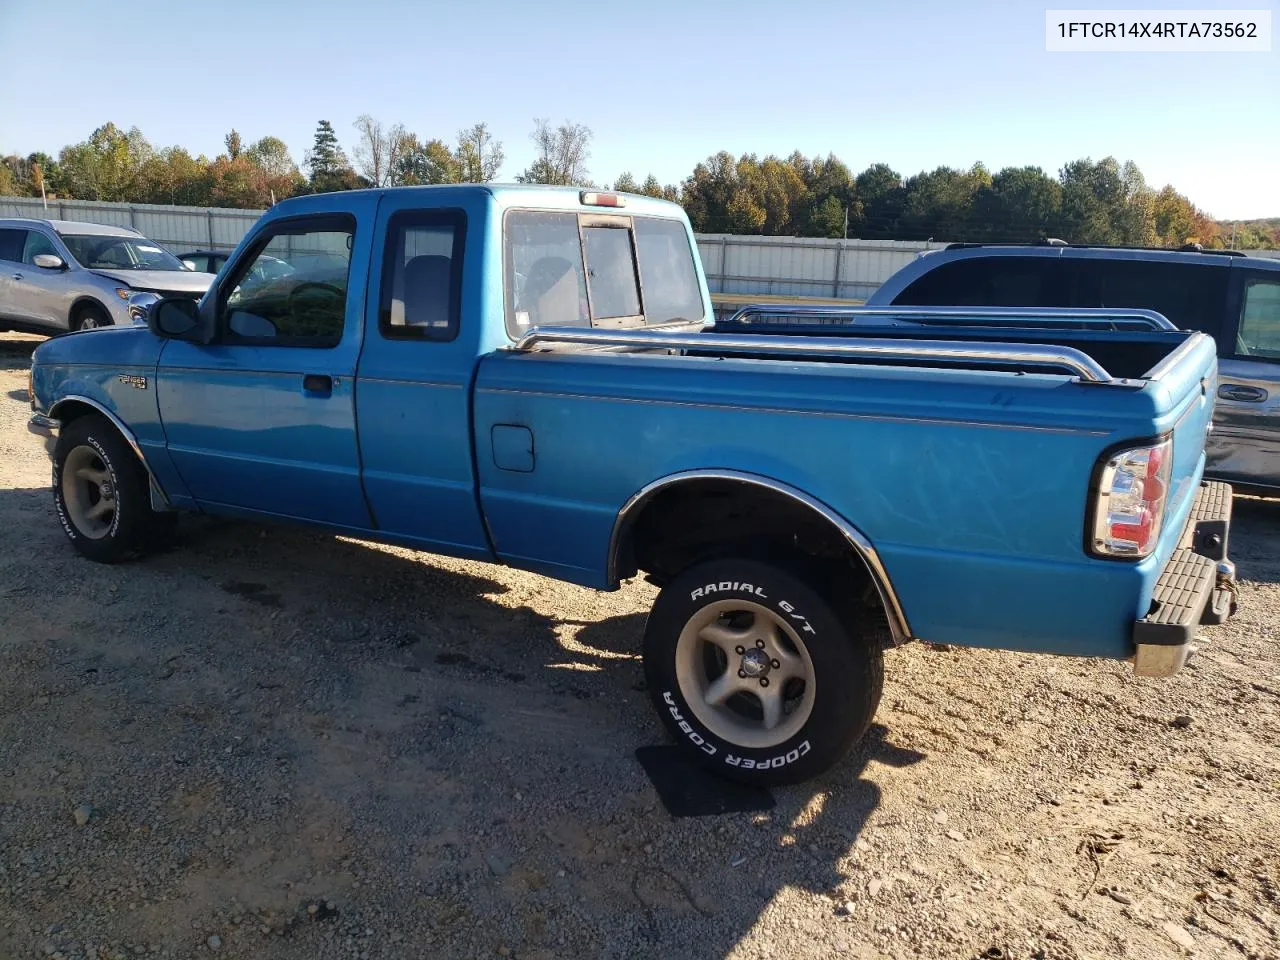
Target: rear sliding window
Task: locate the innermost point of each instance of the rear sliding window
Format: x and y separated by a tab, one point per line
567	269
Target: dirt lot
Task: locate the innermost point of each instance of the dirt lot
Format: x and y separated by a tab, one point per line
274	743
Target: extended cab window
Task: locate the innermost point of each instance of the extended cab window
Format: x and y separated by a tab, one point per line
1260	320
421	276
986	282
291	289
566	269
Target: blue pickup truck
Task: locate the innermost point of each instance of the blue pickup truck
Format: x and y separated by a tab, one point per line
531	376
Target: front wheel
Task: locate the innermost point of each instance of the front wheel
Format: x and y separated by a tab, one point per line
101	492
757	673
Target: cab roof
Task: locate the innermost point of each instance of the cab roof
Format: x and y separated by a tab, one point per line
512	195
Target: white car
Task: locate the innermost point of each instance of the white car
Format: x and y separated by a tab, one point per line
59	275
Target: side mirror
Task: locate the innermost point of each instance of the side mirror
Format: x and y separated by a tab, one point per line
188	264
175	318
48	261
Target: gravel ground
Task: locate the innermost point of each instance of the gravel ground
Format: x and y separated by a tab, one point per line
276	743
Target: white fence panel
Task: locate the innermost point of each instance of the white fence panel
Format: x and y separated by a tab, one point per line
803	266
783	266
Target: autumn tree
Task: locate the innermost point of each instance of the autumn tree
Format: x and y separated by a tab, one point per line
174	176
563	152
883	197
104	167
479	157
426	163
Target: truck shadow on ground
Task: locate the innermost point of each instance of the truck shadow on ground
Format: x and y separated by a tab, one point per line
404	701
460	628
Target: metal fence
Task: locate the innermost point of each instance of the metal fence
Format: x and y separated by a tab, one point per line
179	228
740	265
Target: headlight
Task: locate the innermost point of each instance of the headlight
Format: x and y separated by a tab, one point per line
31	385
124	293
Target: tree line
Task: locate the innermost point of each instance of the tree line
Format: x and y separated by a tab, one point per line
1086	201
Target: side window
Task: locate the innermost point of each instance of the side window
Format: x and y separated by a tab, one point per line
611	272
667	271
987	282
199	262
545	282
11	243
1193	296
422	276
37	243
1260	320
292	290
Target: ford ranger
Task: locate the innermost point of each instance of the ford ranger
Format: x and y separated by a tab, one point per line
531	376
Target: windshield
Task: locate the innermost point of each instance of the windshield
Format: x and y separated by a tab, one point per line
119	253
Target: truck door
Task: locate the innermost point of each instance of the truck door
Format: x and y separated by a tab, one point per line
263	419
414	385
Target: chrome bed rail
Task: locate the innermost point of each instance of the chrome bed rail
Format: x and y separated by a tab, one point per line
973	316
1072	361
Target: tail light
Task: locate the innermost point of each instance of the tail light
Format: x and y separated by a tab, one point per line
1129	507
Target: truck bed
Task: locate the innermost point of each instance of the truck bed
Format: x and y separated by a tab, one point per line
1123	353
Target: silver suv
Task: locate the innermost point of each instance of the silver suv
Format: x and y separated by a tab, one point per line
58	275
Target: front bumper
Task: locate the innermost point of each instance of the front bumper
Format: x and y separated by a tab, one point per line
1196	587
47	429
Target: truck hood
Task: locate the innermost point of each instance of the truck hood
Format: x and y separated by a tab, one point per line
113	347
161	281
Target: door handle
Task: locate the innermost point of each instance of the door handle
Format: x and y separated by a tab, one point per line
1242	393
17	276
317	383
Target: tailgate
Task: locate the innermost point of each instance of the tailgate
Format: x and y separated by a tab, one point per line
1186	384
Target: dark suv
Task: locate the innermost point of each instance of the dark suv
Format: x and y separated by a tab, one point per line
1234	298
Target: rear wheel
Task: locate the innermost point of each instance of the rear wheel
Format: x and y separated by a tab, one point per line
758	674
89	317
102	492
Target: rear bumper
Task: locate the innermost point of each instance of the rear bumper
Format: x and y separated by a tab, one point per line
1196	587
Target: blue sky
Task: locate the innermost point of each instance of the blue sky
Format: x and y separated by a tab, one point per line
662	84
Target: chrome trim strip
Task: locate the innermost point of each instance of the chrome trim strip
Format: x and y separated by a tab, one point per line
564	395
124	432
898	625
1001	354
1176	356
411	383
1098	315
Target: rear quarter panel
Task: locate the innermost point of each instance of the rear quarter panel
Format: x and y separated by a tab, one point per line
973	487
